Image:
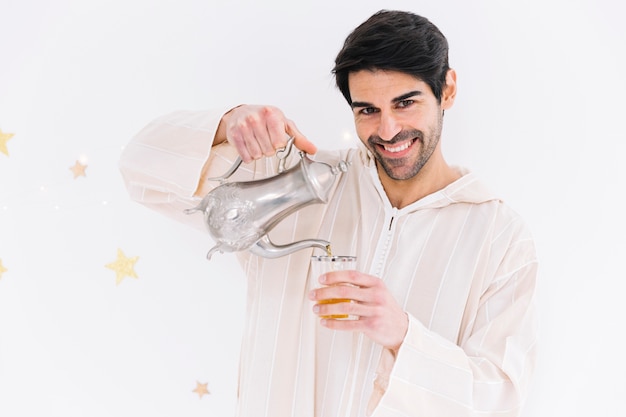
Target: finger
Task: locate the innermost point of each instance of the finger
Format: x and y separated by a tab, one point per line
258	141
276	129
300	141
253	147
348	277
237	139
343	325
341	308
269	145
272	135
341	292
242	135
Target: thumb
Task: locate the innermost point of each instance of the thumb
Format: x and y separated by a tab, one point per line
300	141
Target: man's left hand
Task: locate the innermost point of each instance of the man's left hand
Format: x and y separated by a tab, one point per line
379	316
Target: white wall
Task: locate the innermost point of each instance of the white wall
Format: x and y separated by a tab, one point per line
538	116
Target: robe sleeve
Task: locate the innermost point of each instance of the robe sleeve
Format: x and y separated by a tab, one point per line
487	373
163	164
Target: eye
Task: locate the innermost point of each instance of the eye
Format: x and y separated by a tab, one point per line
368	110
405	103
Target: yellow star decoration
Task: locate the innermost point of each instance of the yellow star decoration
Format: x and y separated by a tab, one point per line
201	389
123	266
4	138
78	169
2	269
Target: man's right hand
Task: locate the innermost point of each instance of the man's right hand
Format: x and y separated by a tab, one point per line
258	131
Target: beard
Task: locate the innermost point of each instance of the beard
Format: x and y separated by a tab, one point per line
422	147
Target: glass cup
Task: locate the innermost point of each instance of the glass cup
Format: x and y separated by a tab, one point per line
322	264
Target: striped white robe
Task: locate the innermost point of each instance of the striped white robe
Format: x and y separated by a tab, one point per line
460	262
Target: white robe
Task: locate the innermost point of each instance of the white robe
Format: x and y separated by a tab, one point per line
459	261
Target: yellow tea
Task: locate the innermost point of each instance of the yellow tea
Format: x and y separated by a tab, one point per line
330	263
335	301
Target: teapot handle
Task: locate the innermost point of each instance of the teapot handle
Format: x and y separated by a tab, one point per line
228	173
281	153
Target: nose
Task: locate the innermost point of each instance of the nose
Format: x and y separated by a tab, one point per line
389	127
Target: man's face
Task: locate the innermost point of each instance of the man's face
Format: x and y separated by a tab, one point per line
398	118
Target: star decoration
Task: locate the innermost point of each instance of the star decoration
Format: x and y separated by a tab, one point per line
201	389
78	169
123	266
4	138
2	269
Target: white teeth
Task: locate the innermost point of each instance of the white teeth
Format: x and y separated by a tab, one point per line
400	148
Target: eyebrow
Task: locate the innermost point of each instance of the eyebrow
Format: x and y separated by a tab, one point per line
356	104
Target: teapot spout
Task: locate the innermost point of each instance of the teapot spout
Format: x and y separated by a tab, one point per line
202	206
266	249
216	248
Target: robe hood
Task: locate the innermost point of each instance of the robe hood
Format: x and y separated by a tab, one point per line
467	189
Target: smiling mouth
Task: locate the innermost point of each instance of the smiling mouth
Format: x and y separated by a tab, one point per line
397	148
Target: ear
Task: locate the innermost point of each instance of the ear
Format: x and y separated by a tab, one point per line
449	91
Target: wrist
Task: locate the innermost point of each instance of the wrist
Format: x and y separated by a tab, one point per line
221	134
404	328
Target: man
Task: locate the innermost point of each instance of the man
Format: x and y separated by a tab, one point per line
446	272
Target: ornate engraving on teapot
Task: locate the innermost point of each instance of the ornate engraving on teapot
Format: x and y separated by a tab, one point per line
230	217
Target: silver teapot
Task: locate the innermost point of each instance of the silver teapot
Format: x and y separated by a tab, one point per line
239	215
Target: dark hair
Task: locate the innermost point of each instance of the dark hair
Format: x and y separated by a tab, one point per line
398	41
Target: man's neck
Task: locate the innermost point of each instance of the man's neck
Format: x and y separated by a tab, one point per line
430	179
